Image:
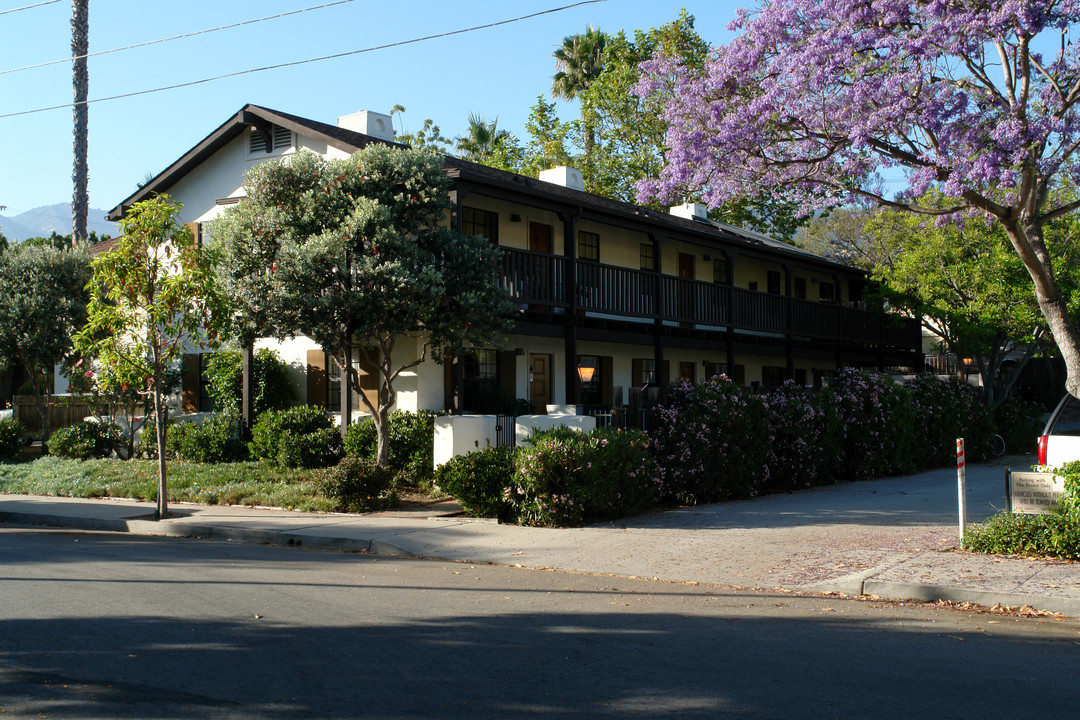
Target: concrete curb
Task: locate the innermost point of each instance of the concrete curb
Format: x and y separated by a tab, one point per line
167	528
889	590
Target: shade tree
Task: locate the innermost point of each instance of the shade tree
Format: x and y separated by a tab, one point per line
976	98
356	254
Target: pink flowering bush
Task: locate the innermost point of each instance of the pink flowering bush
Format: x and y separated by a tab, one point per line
711	442
947	410
565	478
879	424
806	431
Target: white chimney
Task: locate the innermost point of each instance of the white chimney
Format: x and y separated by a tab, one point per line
691	211
568	177
370	123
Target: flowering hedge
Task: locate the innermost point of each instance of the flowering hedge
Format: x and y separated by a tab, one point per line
947	410
879	424
806	438
711	442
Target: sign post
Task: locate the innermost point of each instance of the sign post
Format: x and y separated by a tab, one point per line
961	484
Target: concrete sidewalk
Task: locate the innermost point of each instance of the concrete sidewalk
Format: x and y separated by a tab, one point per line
894	538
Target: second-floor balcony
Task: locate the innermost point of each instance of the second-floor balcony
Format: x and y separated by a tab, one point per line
542	281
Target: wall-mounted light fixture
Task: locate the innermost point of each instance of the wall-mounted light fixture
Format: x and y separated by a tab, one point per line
586	369
514	217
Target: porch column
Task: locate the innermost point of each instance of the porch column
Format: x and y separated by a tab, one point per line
658	323
570	349
788	321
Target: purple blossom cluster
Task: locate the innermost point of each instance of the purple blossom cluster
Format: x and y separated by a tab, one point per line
815	96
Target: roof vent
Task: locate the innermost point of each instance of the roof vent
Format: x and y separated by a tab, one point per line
370	123
568	177
691	211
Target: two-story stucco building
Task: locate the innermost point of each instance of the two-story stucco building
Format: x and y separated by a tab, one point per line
638	296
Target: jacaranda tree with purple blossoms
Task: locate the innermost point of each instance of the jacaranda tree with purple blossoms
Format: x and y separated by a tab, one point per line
976	98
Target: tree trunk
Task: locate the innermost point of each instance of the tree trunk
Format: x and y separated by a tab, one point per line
382	431
1027	240
159	421
80	81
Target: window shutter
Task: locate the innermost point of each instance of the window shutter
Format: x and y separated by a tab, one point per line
607	392
507	373
189	383
317	388
665	377
369	380
194	228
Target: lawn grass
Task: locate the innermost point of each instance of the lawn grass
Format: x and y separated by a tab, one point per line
243	483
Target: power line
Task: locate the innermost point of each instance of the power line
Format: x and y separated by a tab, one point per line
335	56
175	37
28	7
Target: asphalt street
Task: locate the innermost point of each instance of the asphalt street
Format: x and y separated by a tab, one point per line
103	625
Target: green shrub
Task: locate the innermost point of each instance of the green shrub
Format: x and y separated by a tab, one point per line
296	437
215	440
479	481
272	389
412	441
712	442
1017	422
806	438
357	485
1055	534
10	432
946	410
564	477
84	440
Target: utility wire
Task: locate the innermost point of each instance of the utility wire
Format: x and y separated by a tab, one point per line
174	37
28	7
238	73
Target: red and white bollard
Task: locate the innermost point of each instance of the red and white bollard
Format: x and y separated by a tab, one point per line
961	484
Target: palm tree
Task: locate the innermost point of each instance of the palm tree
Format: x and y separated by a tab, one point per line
578	62
80	81
482	139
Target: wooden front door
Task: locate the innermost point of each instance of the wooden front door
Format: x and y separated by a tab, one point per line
539	382
539	237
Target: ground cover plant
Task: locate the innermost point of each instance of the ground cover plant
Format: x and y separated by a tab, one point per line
246	483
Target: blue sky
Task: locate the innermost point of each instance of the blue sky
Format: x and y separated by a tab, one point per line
497	72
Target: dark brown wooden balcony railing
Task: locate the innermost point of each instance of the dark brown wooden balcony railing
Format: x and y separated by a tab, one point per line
541	280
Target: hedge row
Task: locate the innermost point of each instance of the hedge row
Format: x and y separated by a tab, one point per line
718	441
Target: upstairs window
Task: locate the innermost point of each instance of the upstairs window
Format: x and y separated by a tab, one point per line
588	246
773	278
648	256
280	138
719	270
484	223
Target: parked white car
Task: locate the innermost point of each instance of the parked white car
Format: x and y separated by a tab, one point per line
1060	439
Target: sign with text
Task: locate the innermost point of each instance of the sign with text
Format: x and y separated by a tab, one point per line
1033	493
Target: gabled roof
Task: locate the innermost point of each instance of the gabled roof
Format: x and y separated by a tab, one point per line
348	141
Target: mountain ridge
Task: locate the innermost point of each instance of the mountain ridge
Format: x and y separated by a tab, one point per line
46	219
